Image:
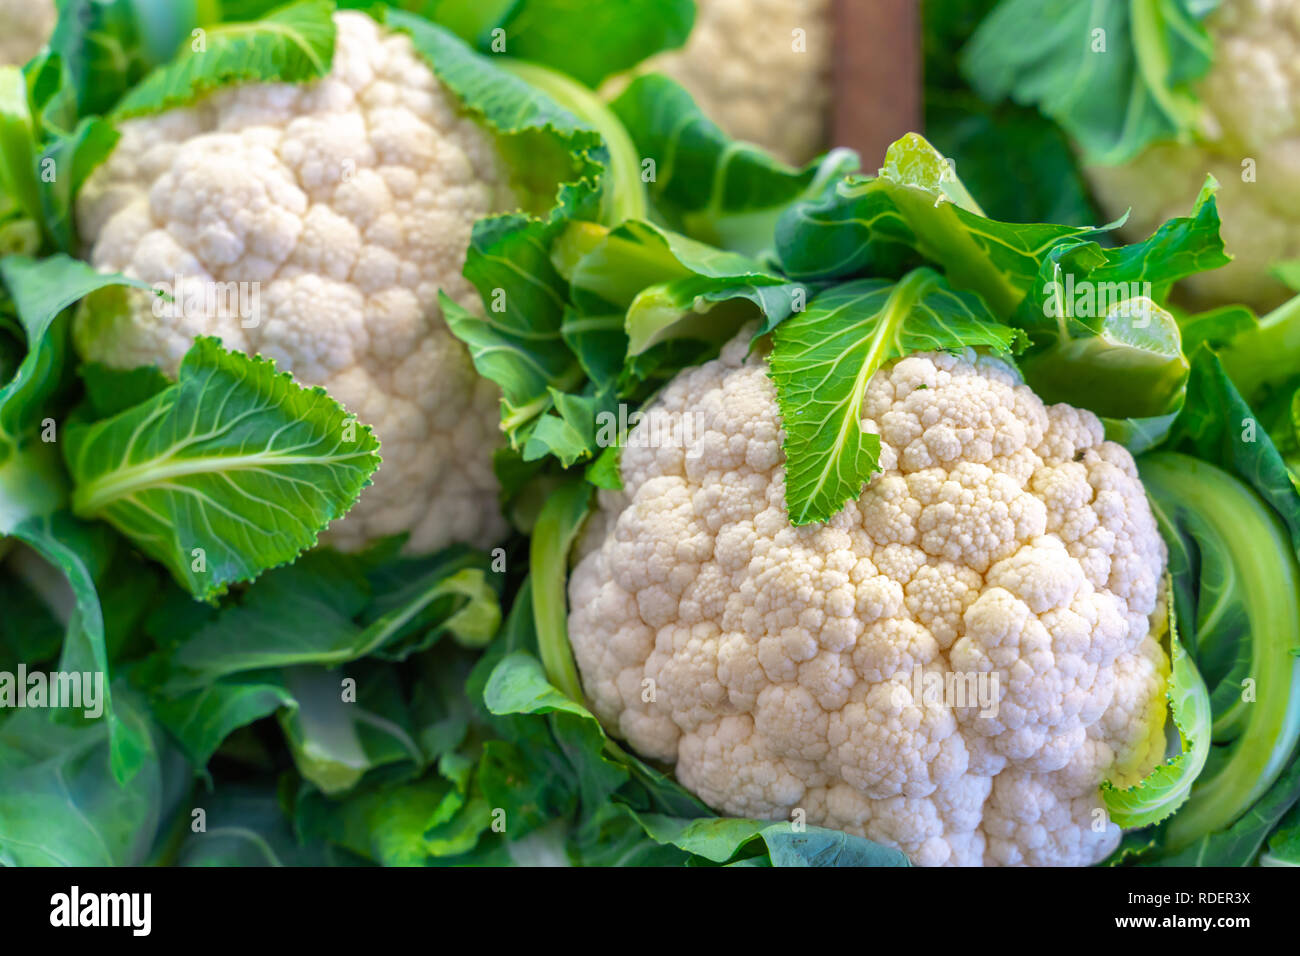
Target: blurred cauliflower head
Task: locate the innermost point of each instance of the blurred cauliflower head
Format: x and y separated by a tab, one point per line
760	69
951	665
25	27
1250	141
339	209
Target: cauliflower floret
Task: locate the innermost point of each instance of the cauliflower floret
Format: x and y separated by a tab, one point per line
341	207
25	27
1250	141
951	665
760	69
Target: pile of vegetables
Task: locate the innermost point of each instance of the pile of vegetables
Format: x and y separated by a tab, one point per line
445	463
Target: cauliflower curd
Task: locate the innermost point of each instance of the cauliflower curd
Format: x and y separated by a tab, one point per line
1005	545
1250	141
348	203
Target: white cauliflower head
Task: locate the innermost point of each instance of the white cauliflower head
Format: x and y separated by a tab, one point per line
951	665
346	204
1250	142
760	69
25	27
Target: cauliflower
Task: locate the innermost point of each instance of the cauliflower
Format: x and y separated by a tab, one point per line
25	27
347	204
755	76
1250	141
951	665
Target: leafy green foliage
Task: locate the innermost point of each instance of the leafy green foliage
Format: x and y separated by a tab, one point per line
108	46
245	825
293	44
75	550
1257	353
1116	76
1101	341
915	207
1018	162
576	324
823	358
709	186
557	157
1161	792
41	291
543	31
233	470
253	658
61	801
1233	560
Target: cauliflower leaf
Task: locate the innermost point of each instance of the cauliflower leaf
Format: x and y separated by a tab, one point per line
1167	787
823	358
1236	585
711	187
291	45
233	470
1117	75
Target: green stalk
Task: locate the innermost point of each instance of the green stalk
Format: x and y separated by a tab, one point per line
1235	520
548	562
18	149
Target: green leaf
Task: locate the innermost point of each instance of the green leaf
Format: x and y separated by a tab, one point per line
668	286
1117	76
233	470
62	801
817	846
245	825
402	825
1101	341
622	193
19	145
29	631
335	739
41	290
616	36
111	391
108	46
68	545
202	719
294	44
721	839
391	611
823	358
1166	788
1237	592
709	186
517	343
1238	844
1259	353
1284	844
1018	162
557	157
518	685
1126	362
74	156
916	206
